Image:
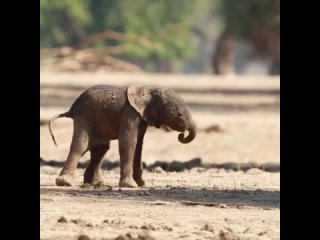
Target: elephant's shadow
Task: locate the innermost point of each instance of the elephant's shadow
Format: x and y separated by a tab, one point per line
266	199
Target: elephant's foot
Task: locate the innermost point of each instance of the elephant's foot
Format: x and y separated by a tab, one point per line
140	182
127	182
97	180
64	180
96	183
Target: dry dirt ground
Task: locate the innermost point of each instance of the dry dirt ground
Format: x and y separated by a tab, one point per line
238	122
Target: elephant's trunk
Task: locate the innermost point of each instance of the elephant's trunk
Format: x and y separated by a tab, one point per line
192	134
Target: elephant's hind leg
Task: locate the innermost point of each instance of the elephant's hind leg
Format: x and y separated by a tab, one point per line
78	147
93	174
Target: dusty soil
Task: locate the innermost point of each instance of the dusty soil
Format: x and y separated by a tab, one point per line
238	121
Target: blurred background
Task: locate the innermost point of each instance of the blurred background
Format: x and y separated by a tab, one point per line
221	56
169	36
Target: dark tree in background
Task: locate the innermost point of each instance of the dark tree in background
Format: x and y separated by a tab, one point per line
257	22
222	59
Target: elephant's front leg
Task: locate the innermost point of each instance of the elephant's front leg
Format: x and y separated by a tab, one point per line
128	138
137	165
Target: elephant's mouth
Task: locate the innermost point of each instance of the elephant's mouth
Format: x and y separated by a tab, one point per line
181	128
186	139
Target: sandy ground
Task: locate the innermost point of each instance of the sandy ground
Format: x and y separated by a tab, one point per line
193	204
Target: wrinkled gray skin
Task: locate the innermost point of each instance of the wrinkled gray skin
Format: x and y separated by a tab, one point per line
103	113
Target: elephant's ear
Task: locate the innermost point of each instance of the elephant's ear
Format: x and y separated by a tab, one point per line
139	97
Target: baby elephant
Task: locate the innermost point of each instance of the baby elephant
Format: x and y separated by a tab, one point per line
103	113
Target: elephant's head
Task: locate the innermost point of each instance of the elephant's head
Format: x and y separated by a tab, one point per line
162	106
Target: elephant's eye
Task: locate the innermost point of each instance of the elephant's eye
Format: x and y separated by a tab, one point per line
180	114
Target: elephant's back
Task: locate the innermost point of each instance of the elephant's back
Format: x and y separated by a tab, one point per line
102	104
96	96
102	90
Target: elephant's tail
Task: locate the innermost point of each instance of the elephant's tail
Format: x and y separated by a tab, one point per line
66	114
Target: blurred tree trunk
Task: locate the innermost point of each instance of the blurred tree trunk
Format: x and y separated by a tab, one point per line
165	66
275	64
275	67
223	56
267	42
